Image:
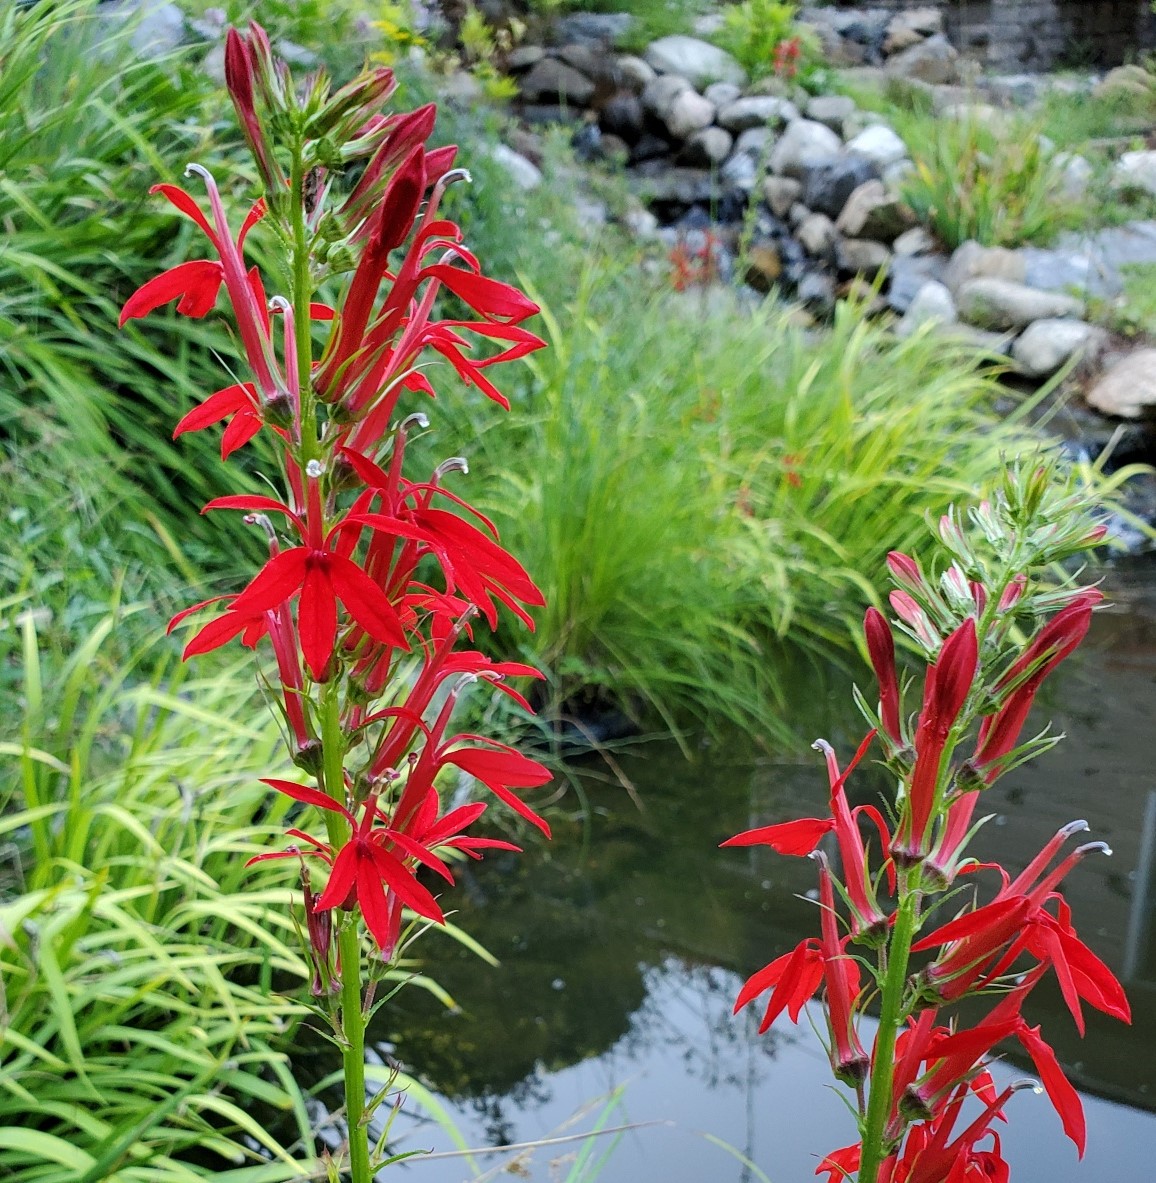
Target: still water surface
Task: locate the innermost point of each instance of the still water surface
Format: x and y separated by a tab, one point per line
624	942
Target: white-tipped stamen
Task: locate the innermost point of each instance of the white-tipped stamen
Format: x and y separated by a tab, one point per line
1099	847
417	419
198	170
453	464
280	304
1077	827
314	469
259	519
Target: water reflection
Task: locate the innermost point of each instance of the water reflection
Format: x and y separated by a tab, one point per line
623	947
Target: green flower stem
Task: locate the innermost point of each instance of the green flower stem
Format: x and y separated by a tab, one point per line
890	1017
348	948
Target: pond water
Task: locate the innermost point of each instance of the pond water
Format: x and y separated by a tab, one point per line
624	942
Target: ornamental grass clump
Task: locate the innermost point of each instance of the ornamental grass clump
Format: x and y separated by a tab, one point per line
374	580
911	922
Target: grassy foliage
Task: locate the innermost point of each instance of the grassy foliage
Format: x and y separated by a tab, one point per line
994	183
140	1038
697	488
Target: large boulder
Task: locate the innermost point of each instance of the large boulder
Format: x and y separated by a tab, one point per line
1046	345
780	193
828	185
1136	171
906	29
871	212
757	111
932	304
880	145
1003	304
861	256
553	81
803	145
689	112
658	96
934	60
970	260
831	109
698	61
594	28
1128	389
707	147
623	116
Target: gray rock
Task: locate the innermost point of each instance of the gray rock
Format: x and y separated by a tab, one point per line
797	215
689	112
708	146
659	95
976	114
757	111
832	110
522	57
1046	345
594	28
932	304
698	61
878	144
990	303
916	241
640	222
1127	389
1014	90
1074	173
586	59
623	116
996	345
816	290
754	141
1135	171
634	72
871	212
159	29
678	186
804	144
909	28
722	94
861	256
817	234
828	185
524	173
1081	269
971	260
591	214
907	274
550	81
462	89
934	60
739	172
780	193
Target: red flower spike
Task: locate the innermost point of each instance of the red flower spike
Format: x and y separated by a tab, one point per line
881	647
945	692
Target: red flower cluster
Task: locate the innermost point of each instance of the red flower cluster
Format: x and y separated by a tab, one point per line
372	579
913	1086
786	59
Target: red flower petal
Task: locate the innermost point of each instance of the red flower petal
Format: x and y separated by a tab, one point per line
317	620
794	838
196	283
216	407
309	796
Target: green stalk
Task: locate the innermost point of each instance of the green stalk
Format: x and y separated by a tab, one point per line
349	950
890	1017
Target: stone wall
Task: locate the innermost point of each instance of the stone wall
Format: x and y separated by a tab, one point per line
1032	35
1011	35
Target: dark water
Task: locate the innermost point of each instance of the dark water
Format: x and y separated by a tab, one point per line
624	942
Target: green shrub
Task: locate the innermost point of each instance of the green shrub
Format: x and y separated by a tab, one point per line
993	183
759	35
